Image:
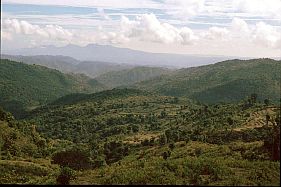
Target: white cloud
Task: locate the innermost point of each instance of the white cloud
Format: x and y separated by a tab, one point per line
267	35
239	25
148	28
91	3
268	8
216	33
103	14
49	31
5	36
184	9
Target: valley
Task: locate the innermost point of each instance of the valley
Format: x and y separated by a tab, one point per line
208	125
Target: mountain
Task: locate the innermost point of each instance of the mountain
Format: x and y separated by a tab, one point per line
96	68
23	85
107	53
131	76
67	64
62	63
226	81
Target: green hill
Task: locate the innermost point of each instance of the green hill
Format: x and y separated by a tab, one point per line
226	81
23	85
136	137
130	76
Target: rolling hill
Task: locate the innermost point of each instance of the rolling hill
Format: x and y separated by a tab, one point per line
131	76
226	81
23	85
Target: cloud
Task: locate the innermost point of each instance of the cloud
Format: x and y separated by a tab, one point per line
147	27
6	35
216	33
103	14
239	25
91	3
267	35
268	8
49	31
184	9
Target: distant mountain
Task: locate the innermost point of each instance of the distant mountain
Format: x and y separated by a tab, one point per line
107	53
23	85
95	68
69	65
227	81
131	76
62	63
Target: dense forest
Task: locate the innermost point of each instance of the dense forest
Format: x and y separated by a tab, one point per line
210	125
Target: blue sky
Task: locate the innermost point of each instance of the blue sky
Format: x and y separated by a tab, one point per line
206	27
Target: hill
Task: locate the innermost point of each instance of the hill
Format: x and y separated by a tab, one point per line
62	63
23	85
67	64
131	76
97	68
137	137
227	81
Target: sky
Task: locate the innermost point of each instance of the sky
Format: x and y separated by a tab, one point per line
246	28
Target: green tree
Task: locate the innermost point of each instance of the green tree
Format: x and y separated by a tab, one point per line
162	139
266	102
66	174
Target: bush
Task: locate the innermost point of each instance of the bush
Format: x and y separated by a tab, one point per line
65	176
74	158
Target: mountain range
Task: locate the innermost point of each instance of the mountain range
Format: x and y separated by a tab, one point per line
107	53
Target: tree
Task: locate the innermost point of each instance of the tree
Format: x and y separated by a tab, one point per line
230	121
74	158
65	176
266	102
267	118
172	146
165	155
162	139
163	114
254	98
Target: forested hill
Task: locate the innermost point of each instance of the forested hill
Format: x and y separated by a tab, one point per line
227	81
23	85
131	76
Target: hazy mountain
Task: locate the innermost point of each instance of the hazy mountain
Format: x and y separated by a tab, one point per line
96	68
226	81
69	65
131	76
62	63
107	53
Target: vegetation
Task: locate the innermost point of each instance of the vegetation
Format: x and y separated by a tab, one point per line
228	81
130	76
23	86
131	136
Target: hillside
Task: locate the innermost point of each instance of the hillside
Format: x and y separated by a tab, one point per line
62	63
136	137
131	76
67	64
227	81
96	68
24	85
